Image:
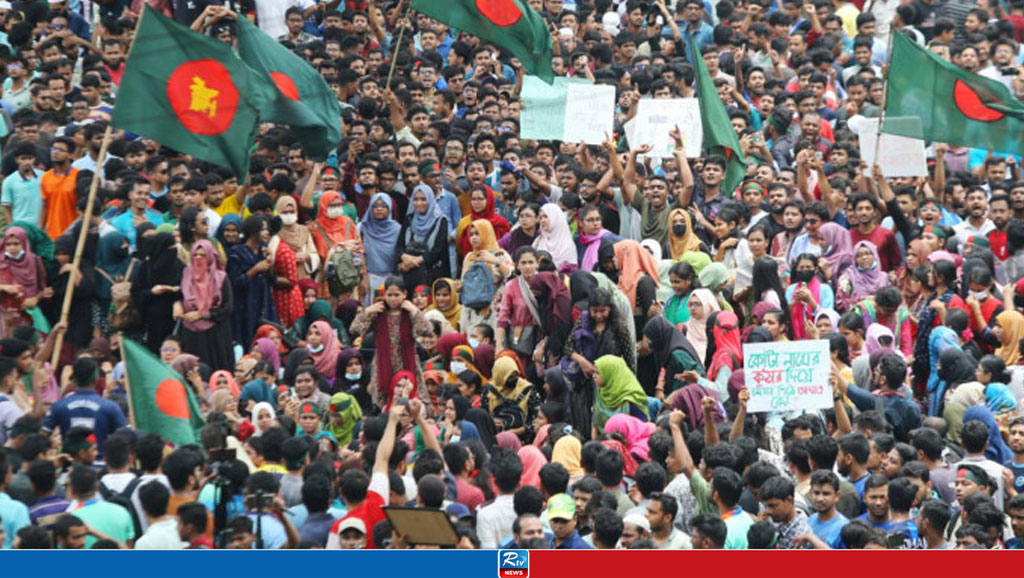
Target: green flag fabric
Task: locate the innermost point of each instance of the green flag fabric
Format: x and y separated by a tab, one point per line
191	93
161	402
304	101
511	24
719	136
955	106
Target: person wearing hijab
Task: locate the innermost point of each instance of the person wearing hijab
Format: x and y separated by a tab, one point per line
863	279
482	207
423	255
485	249
681	236
728	356
331	227
996	451
555	237
80	321
568	451
351	377
483	424
1010	325
266	350
512	400
806	294
917	255
555	306
668	350
205	307
23	282
229	232
533	460
319	310
380	237
446	300
157	287
262	417
483	355
836	247
702	304
345	414
618	391
958	366
223	380
635	433
287	293
714	278
323	345
298	237
112	266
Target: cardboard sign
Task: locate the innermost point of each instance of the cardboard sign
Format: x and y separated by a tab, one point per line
656	118
570	110
898	156
785	376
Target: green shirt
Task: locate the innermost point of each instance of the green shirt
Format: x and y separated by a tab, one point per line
110	519
737	523
702	493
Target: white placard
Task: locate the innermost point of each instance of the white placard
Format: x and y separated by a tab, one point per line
898	156
589	113
655	118
785	376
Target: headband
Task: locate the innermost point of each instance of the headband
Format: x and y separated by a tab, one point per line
937	231
968	474
308	407
753	186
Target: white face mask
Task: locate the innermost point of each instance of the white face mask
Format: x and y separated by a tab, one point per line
474	343
458	367
15	257
979	295
289	219
315	348
334	212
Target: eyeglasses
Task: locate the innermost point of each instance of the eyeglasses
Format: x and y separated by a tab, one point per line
59	149
168	349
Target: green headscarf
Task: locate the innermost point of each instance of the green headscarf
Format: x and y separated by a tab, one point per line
319	309
166	228
38	242
697	259
345	406
716	275
619	388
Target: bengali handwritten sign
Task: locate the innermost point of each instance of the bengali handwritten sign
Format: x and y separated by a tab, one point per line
656	118
787	376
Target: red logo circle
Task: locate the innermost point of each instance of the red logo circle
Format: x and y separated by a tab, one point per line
203	96
171	399
501	12
286	85
970	104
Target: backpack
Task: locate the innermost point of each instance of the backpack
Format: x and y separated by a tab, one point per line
124	499
509	411
343	272
477	286
123	313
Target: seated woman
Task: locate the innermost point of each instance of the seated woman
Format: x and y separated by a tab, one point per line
512	401
885	307
446	300
683	279
618	391
525	230
702	305
862	280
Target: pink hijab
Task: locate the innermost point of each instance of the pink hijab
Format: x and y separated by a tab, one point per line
28	271
509	441
838	249
201	285
327	359
268	350
635	431
866	282
230	377
533	460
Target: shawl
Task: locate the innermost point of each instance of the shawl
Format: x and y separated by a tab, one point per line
997	450
385	365
291	367
266	330
688	242
27	271
688	401
345	407
483	355
533	460
380	237
629	464
447	343
498	223
799	312
201	286
295	234
39	242
557	240
502	371
728	350
635	432
509	441
557	386
555	297
865	282
592	243
665	339
875	332
255	415
227	375
484	424
336	230
633	260
619	387
454	311
422	224
184	364
228	219
326	360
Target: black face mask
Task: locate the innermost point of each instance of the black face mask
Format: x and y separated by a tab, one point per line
803	276
679	229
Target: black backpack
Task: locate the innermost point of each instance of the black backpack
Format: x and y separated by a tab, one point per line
124	499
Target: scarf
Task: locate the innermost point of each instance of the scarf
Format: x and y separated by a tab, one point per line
568	451
484	356
254	417
454	311
484	425
407	351
39	242
697	259
26	271
635	432
229	377
688	400
184	364
944	341
926	326
162	266
329	232
112	259
997	450
696	329
343	406
633	260
619	387
326	360
875	332
201	286
422	224
556	298
999	398
838	250
688	242
502	371
665	339
865	282
447	343
228	219
379	237
1012	323
728	350
533	460
498	223
798	310
557	240
295	234
592	243
268	351
291	367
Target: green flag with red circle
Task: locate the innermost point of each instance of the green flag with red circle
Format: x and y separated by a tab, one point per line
511	24
191	93
161	402
304	101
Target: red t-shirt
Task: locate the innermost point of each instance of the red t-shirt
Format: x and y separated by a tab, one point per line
997	241
370	512
469	495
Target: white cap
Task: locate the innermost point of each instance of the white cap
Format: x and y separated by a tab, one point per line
352	524
4	5
638	520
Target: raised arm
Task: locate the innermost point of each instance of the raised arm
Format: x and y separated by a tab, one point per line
679	449
306	200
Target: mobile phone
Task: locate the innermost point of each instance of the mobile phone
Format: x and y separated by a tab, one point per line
1009	71
894	541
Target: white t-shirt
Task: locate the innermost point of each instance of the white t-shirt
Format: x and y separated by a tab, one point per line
270	14
162	535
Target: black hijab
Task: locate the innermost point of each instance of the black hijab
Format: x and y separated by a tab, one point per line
484	425
558	385
955	367
291	367
581	283
161	260
666	338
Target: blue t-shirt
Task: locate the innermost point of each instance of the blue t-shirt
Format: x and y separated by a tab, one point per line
886	525
829	531
911	539
1018	475
86	408
273	532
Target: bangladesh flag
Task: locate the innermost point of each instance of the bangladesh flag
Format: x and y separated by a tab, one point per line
161	402
304	101
510	24
191	93
954	106
719	136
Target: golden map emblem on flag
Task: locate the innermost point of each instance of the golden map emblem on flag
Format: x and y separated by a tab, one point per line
203	96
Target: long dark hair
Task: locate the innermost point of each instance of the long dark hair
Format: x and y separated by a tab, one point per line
766	276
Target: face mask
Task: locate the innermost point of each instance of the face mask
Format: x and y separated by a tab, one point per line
15	257
315	348
292	218
474	343
803	276
334	212
458	367
354	376
679	230
979	295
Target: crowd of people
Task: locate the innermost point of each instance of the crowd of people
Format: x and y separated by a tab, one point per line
543	340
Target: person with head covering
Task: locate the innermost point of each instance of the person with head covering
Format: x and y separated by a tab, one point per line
728	356
483	423
266	350
682	280
484	355
633	265
509	441
331	227
250	270
423	255
446	300
319	310
273	332
485	249
917	255
568	451
80	322
112	266
157	287
205	307
996	451
635	433
861	280
512	400
618	391
836	247
959	366
263	417
380	237
533	460
323	345
482	207
344	414
702	305
288	299
555	306
670	352
229	232
555	237
298	237
806	294
22	279
223	380
681	236
1011	330
714	278
463	359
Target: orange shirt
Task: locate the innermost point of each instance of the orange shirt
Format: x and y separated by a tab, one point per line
58	191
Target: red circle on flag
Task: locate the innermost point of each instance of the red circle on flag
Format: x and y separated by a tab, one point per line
171	399
970	104
286	85
203	96
500	12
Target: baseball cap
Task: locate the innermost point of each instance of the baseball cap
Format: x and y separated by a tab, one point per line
352	524
561	507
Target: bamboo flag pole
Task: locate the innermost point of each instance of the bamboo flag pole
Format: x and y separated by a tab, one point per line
127	382
398	46
885	96
83	234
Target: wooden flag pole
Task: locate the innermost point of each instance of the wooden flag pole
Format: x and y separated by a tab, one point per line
398	46
885	97
127	381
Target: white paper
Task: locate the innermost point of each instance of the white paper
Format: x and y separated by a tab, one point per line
786	376
589	113
656	118
898	156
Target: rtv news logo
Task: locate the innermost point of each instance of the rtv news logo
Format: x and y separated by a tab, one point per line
513	564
